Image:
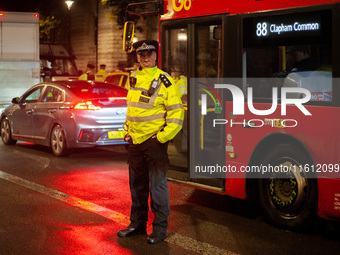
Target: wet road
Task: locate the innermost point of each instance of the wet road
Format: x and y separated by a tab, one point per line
76	204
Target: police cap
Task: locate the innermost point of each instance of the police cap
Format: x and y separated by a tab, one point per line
149	45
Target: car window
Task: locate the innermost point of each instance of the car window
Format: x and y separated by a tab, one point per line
113	79
124	80
117	79
33	95
52	94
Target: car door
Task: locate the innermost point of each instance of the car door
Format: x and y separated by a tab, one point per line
22	115
45	112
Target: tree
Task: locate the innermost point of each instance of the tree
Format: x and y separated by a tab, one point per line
48	29
119	10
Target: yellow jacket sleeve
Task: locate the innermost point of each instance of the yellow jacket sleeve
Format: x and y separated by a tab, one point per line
174	113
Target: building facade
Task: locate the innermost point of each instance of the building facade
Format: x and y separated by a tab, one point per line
96	38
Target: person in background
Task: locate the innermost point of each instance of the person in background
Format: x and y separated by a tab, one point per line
101	74
136	66
154	116
180	80
89	75
301	59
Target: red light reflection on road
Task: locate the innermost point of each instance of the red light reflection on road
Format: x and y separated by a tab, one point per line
108	188
87	240
90	189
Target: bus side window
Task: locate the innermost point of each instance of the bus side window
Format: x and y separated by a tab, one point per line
175	62
208	53
318	83
287	66
176	59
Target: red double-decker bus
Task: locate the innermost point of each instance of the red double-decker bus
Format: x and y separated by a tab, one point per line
282	151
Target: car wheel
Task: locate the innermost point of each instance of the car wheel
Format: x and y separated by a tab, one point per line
287	194
6	134
58	141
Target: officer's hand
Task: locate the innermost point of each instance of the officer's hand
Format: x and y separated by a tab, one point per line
127	138
155	137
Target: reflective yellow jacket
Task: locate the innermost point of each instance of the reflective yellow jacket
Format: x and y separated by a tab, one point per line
86	76
100	75
160	113
181	84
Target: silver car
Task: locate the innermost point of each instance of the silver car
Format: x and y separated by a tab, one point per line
65	115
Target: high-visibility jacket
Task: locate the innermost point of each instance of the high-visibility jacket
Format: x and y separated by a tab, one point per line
181	84
87	76
160	113
100	75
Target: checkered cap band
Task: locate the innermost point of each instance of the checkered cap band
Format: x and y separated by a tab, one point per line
145	46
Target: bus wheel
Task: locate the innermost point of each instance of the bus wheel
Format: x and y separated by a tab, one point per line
6	134
58	141
287	192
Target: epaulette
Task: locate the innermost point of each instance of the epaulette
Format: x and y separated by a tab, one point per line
165	80
133	81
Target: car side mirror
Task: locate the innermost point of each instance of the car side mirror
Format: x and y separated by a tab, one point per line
129	30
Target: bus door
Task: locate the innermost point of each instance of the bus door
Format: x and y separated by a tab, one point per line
192	54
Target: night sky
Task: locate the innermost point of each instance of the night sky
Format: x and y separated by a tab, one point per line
41	6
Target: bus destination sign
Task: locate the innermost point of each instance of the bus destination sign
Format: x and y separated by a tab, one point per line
267	28
286	29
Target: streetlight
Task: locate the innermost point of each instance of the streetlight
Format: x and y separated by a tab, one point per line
69	4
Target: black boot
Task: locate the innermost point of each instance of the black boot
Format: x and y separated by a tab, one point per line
156	237
132	231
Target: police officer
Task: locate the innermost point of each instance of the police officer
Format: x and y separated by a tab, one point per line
101	74
89	75
180	80
302	61
154	116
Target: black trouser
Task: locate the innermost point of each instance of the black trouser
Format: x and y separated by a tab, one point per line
148	163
